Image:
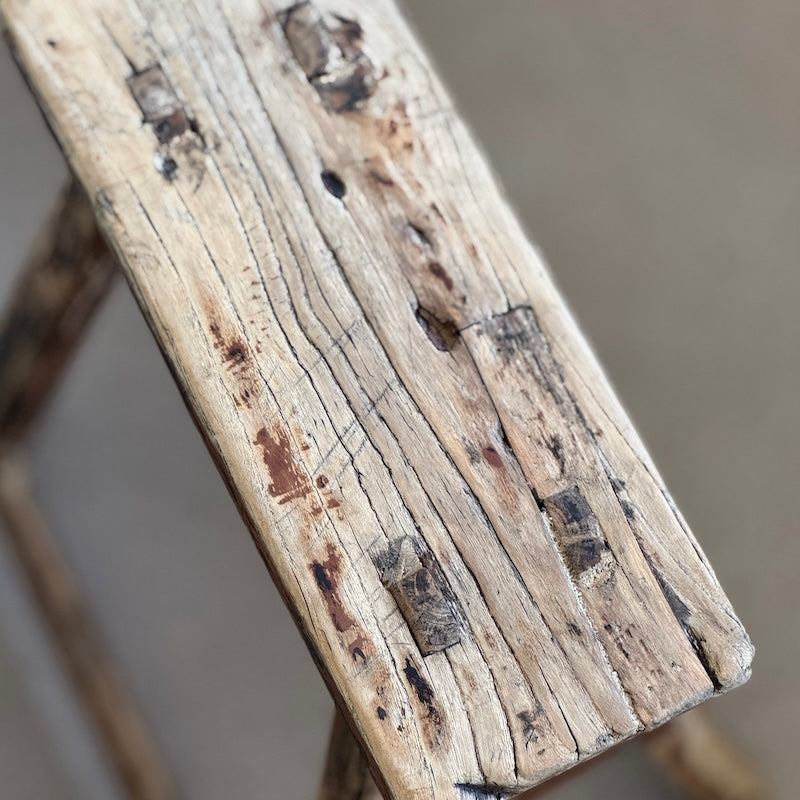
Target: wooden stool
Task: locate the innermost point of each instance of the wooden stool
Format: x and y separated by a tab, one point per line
486	566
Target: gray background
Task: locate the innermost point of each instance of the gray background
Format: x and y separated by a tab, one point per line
651	149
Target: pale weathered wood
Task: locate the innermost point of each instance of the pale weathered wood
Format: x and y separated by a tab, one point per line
120	728
480	553
63	280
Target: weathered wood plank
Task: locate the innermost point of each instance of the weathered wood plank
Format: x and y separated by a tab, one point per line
386	376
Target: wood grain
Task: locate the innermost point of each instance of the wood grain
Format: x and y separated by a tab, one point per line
375	354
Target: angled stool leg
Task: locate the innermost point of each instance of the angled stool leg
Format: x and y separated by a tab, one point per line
346	775
696	755
125	738
703	761
65	276
62	282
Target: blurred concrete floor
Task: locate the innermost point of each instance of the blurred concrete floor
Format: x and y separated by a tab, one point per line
652	151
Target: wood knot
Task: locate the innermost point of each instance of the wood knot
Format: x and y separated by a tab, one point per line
415	580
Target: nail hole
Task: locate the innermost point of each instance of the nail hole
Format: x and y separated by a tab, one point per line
166	165
333	183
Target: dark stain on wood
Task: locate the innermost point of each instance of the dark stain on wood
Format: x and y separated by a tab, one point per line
439	272
415	580
684	616
381	711
171	126
442	334
235	353
529	723
360	647
289	481
395	132
628	509
492	457
380	178
556	446
528	727
333	184
321	576
326	574
422	689
576	530
472	452
574	630
321	481
516	334
486	791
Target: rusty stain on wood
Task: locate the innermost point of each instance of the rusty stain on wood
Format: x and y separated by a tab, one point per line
288	480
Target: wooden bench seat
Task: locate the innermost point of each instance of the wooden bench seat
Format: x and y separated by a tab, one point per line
472	539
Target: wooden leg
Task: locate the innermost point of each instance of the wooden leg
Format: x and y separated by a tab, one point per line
346	774
66	275
695	754
703	761
124	735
